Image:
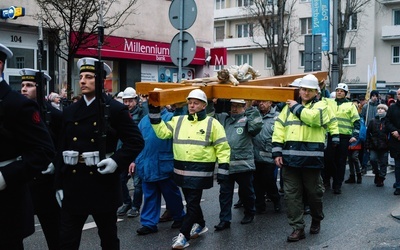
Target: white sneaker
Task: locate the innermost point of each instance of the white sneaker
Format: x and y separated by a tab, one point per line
197	230
179	242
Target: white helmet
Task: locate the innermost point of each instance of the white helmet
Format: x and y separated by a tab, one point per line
295	83
120	94
129	93
342	86
310	82
241	101
197	94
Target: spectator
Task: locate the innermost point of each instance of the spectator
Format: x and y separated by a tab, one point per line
377	144
54	99
393	127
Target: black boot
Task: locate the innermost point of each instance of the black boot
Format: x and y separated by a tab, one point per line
376	179
359	178
352	179
380	181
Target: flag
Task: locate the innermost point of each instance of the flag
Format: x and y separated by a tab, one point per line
371	79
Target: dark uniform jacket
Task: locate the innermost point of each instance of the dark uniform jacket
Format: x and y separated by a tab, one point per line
42	186
22	133
86	191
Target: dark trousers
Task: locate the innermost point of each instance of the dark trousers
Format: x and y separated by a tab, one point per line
246	194
72	224
194	214
50	223
335	161
137	200
265	183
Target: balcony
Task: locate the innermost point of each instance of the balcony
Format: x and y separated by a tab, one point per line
391	32
240	43
229	13
390	2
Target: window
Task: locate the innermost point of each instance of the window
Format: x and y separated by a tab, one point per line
305	26
244	30
305	1
218	67
219	4
396	54
23	58
243	3
396	17
267	62
243	58
352	22
302	56
350	59
271	2
219	33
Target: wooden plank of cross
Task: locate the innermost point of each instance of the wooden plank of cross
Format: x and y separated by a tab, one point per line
272	88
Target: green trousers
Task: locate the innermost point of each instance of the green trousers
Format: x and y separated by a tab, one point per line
302	186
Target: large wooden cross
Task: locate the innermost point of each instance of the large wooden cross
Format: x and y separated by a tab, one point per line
274	88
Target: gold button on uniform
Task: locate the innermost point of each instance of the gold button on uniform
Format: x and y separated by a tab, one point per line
74	171
91	172
74	139
76	123
92	140
94	123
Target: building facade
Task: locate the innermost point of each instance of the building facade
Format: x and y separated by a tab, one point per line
137	52
375	32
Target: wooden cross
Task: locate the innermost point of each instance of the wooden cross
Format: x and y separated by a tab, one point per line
274	89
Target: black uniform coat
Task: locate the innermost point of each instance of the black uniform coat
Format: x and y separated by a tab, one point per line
42	187
86	191
22	133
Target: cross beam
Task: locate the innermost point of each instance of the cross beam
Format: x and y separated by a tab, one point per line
272	89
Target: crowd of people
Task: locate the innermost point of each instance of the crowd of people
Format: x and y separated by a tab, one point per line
173	153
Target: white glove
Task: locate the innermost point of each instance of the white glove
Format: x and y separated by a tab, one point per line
60	196
107	166
3	184
50	169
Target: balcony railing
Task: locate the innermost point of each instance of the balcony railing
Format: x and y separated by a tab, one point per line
389	2
240	43
391	32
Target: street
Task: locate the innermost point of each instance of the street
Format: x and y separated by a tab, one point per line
359	218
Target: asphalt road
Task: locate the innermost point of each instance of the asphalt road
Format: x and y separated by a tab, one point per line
359	218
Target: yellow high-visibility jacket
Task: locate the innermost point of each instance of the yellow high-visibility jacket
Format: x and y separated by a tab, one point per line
197	144
299	134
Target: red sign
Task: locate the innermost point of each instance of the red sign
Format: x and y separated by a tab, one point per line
127	48
218	56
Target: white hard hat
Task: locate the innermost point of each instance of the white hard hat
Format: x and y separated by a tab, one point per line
197	94
120	94
295	83
342	86
129	93
241	101
310	82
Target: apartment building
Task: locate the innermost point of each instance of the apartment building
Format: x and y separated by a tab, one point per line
139	51
373	33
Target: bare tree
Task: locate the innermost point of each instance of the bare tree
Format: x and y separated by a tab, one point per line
272	20
349	12
73	24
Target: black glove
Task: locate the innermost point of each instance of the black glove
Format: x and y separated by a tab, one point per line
154	114
223	173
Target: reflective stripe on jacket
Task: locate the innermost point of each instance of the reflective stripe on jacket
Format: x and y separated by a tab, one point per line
197	145
300	138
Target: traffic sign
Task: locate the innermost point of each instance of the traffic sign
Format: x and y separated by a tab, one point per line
189	13
188	48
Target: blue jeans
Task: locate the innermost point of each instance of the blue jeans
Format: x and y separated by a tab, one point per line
379	161
397	172
137	193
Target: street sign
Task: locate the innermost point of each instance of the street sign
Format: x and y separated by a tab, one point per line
188	15
188	48
12	12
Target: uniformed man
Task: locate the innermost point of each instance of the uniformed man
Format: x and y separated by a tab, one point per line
85	184
42	187
26	150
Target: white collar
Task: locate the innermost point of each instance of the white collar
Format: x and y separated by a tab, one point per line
88	102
